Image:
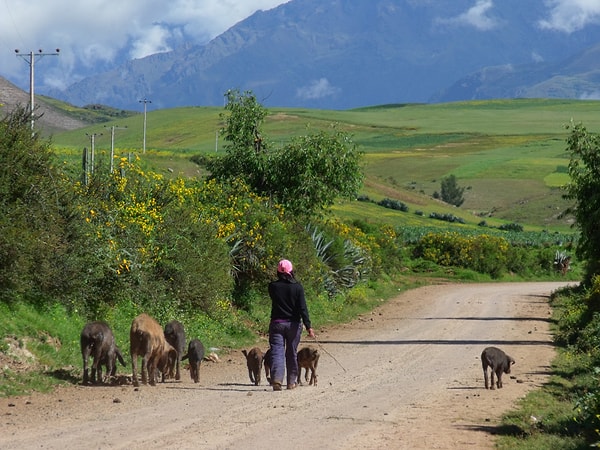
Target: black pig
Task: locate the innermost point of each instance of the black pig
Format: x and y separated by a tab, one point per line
175	335
97	340
499	363
195	354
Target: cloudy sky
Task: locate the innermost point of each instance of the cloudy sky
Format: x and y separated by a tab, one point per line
96	34
92	33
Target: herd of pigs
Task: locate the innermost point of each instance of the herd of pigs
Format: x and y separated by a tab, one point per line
162	352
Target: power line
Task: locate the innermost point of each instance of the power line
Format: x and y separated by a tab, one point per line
14	23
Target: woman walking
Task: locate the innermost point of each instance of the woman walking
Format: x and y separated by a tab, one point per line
288	313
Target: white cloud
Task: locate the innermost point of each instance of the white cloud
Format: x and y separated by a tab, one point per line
571	15
102	32
595	95
536	57
154	40
317	89
94	52
476	16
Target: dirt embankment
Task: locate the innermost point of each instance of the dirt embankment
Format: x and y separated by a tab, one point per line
407	376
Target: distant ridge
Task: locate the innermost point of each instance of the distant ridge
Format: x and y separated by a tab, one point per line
51	120
340	54
577	77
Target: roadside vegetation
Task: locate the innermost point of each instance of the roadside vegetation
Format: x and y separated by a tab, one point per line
190	233
565	413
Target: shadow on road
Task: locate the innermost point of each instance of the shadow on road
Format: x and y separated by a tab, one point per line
500	430
511	319
486	342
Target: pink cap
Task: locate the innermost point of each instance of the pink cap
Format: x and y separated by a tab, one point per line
285	266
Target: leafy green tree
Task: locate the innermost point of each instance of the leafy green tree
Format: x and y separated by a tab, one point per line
451	192
245	149
584	189
305	176
31	239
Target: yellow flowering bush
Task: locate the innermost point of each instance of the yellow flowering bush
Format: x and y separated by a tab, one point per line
251	225
483	253
142	237
126	214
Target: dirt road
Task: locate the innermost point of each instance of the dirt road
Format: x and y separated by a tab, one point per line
407	376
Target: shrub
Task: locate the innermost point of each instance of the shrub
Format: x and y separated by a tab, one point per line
482	253
511	227
393	204
588	406
446	217
571	315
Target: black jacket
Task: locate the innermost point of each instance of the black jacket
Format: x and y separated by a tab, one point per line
288	302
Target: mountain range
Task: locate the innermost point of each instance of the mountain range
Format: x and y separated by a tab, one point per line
339	54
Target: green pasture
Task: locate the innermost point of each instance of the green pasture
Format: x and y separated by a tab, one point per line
508	154
182	131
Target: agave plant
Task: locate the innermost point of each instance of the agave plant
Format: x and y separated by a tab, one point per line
562	262
321	246
351	271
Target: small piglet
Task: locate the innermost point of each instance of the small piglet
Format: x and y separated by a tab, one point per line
254	361
268	362
308	358
195	354
175	335
498	362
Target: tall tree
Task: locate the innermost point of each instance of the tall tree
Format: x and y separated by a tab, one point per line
246	149
305	176
451	192
584	189
31	239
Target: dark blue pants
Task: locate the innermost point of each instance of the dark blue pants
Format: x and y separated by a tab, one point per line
284	338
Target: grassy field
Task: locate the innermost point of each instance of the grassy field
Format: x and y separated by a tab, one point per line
508	154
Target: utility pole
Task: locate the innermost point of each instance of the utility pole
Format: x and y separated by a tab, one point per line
145	101
112	145
30	59
92	137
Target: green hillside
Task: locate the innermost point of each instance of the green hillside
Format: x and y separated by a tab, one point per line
508	154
